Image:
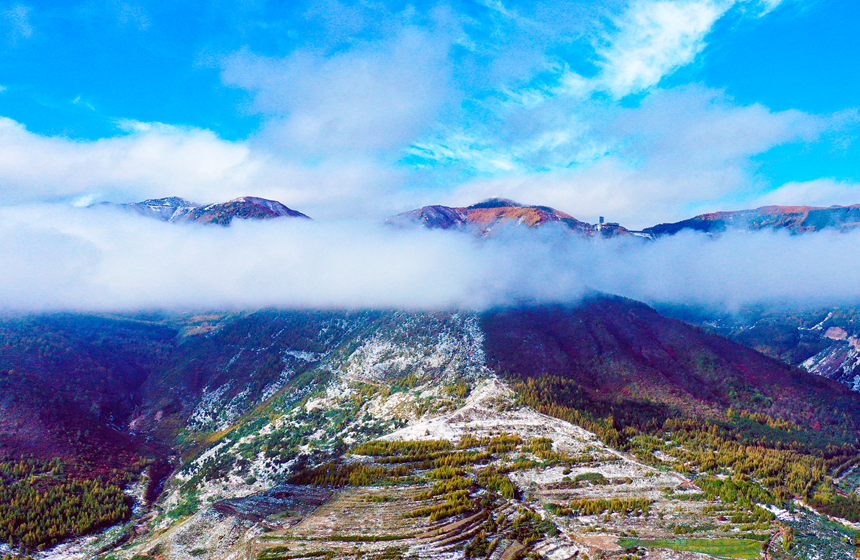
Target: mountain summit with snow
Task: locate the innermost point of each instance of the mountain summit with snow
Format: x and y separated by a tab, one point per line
176	209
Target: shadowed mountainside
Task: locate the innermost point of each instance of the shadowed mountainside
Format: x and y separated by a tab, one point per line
68	384
626	359
101	378
823	341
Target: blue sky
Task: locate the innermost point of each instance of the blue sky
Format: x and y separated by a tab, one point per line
643	111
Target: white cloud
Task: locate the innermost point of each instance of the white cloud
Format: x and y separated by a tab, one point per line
155	160
734	271
63	258
374	96
679	148
189	162
102	259
820	192
653	39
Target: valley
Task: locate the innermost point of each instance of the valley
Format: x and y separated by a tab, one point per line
433	280
599	430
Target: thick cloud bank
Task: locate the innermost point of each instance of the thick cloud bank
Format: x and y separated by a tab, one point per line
58	258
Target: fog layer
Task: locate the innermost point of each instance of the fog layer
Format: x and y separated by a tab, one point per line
59	258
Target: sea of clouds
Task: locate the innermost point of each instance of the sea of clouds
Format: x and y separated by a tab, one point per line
57	257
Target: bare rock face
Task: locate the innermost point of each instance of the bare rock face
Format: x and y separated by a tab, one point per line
839	361
280	500
836	333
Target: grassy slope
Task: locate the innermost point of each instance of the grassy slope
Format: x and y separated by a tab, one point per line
721	548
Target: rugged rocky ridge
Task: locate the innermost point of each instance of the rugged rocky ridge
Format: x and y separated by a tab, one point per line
841	362
486	216
169	209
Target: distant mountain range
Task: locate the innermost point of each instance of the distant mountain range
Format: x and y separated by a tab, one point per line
796	219
175	209
486	216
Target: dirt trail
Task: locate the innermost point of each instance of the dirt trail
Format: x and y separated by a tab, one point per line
771	541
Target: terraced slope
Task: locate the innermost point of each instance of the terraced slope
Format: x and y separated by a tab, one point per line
493	480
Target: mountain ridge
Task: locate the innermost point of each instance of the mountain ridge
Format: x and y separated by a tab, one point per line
486	216
796	219
176	209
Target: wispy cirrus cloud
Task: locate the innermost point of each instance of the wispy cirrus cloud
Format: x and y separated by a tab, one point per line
572	140
818	192
17	23
653	38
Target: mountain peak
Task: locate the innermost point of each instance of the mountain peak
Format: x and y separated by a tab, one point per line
174	208
172	201
246	207
495	202
168	209
487	215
